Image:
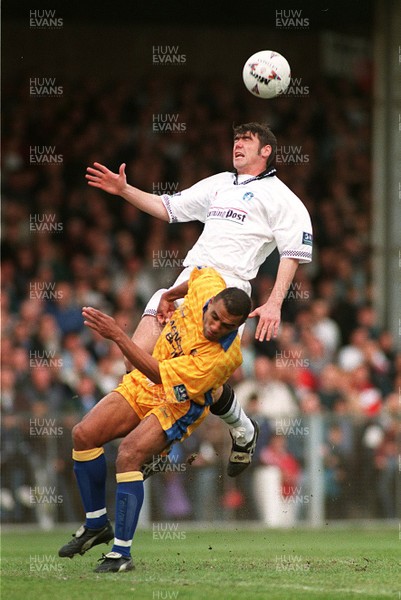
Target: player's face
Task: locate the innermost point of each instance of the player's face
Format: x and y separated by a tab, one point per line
248	157
217	322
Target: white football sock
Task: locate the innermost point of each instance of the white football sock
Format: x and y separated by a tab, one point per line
240	425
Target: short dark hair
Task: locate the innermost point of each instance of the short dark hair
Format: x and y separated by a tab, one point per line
265	135
236	301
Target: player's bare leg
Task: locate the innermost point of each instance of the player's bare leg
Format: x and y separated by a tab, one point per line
110	419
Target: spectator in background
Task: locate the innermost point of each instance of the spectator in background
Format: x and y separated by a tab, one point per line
274	398
276	483
78	364
363	397
13	401
351	356
276	454
387	465
45	387
330	388
106	378
325	328
65	309
337	473
367	318
20	364
47	337
88	394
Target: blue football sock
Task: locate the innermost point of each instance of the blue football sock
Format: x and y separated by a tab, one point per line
129	499
90	471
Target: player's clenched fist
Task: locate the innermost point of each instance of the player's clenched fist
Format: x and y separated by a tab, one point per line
101	177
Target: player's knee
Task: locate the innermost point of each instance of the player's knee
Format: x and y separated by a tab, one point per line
129	458
83	438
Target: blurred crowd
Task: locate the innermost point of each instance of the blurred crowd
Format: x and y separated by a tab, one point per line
66	245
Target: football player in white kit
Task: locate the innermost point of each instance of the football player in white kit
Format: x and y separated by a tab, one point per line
246	213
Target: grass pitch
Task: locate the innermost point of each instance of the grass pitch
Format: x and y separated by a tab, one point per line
188	564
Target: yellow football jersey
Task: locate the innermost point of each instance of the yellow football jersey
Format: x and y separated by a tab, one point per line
191	366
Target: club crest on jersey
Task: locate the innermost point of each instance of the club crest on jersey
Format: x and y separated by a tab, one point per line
307	238
247	196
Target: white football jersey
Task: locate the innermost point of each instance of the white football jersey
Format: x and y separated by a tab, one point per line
245	219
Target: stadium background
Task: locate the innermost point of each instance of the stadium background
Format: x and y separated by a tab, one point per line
97	86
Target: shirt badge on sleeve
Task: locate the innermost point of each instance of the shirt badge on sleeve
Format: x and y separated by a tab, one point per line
307	238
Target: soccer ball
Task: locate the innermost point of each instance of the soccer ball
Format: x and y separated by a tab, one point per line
266	74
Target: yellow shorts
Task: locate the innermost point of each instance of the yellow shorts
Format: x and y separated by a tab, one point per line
177	419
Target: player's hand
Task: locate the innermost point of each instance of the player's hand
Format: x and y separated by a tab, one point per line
101	177
164	310
269	321
100	322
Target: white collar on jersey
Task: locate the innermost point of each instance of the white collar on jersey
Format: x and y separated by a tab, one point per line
267	173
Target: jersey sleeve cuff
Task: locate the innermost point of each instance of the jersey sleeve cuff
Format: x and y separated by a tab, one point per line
167	204
300	255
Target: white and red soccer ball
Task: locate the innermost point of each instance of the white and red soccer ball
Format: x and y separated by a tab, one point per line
266	74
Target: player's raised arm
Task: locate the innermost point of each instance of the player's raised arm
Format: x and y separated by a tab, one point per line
101	177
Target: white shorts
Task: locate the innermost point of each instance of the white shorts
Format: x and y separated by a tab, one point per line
152	305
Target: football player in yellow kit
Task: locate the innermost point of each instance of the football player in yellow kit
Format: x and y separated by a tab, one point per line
165	397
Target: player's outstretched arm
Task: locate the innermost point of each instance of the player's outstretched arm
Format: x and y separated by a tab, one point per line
270	313
102	178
